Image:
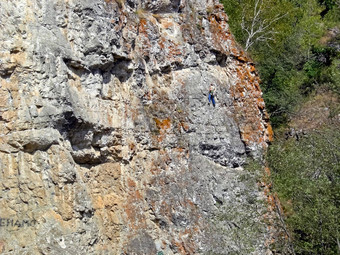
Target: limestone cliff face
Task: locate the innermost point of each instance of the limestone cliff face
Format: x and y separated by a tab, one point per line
107	142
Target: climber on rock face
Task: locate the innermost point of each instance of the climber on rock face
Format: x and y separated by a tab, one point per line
212	94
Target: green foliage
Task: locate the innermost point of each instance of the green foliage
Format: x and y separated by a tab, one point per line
295	59
298	56
254	166
306	176
334	74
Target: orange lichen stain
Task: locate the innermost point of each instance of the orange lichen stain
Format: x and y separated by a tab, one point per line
167	24
155	171
142	26
180	151
240	89
161	42
131	183
180	247
267	171
132	206
241	58
135	221
260	103
218	33
186	247
270	133
109	118
143	36
174	51
235	51
163	124
190	203
132	146
138	195
252	118
2	246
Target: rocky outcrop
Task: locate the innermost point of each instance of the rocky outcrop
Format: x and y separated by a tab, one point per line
108	143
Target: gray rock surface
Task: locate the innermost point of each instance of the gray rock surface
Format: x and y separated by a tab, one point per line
108	144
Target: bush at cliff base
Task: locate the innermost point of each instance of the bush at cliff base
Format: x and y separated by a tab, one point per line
306	176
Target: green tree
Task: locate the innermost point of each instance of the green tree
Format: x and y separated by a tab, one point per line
309	189
297	55
284	39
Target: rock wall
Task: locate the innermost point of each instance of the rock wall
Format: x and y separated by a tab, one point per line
107	142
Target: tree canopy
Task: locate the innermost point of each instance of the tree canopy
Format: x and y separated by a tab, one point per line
295	45
291	43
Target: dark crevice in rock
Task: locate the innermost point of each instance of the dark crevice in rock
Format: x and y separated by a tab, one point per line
131	4
139	76
222	154
33	147
180	220
122	69
6	74
160	8
86	139
166	69
220	58
240	59
162	224
218	201
76	66
85	213
102	67
68	122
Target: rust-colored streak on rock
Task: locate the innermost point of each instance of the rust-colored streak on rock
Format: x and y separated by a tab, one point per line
163	126
250	107
220	37
144	40
2	246
131	183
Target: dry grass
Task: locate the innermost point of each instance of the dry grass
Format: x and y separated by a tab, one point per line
329	36
210	10
320	110
120	3
157	16
141	13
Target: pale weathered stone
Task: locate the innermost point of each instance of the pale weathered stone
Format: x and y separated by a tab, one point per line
108	144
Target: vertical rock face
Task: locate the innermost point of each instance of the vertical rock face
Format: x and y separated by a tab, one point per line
107	142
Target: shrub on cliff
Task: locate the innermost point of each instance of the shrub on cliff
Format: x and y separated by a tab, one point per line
306	176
